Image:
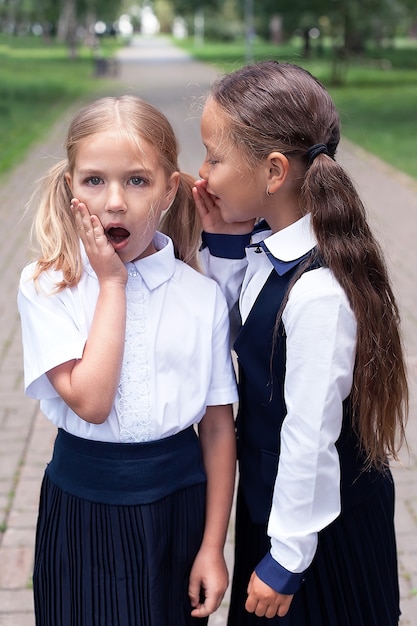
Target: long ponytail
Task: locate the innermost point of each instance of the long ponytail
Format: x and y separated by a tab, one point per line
349	249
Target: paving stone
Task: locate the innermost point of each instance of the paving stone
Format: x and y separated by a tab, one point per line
17	601
16	565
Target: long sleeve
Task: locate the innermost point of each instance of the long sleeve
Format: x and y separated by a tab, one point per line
321	338
320	353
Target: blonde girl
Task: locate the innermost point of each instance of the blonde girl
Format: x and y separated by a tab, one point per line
125	345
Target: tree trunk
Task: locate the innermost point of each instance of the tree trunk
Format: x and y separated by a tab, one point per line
67	26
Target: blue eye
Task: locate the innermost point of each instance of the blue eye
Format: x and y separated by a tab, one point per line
94	180
137	181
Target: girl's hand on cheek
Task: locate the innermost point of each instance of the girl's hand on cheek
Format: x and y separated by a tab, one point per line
211	216
101	254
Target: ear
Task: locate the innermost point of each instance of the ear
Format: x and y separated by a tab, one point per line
278	167
172	188
68	179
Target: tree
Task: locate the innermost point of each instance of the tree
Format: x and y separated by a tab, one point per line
82	15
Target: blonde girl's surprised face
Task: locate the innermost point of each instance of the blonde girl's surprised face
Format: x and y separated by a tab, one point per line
237	189
125	189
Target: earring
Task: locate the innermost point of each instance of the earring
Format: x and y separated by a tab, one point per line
268	193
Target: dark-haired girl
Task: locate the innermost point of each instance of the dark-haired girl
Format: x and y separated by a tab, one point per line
323	389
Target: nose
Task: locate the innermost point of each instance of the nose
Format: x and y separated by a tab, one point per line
203	171
116	201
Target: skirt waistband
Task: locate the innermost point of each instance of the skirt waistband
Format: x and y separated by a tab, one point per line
126	473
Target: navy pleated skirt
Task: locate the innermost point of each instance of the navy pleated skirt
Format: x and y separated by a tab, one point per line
109	553
353	580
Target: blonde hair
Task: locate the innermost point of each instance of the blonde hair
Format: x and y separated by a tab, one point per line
280	106
54	224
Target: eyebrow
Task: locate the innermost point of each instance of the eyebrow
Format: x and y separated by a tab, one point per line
132	172
210	147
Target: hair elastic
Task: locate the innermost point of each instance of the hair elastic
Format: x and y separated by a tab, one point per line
318	148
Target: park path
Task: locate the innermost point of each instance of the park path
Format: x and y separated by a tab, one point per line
168	78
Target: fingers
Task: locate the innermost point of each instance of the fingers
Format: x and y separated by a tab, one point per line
82	217
208	207
264	601
203	200
194	592
87	225
81	214
206	590
101	254
200	184
205	605
263	608
202	197
197	600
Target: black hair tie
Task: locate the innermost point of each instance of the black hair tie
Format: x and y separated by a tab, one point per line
318	148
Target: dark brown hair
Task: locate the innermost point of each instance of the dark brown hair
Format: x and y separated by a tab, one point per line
274	106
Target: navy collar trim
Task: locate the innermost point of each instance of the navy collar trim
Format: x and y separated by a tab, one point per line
281	267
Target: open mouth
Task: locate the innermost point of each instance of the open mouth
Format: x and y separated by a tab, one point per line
117	236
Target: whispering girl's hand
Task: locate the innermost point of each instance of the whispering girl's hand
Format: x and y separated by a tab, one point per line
210	213
102	256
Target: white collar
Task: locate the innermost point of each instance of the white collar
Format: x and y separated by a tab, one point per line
155	269
292	242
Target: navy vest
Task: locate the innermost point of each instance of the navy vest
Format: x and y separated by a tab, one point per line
262	407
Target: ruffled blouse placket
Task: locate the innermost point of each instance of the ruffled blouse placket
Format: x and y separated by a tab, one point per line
133	401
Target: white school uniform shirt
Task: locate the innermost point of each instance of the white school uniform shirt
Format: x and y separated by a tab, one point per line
176	359
320	343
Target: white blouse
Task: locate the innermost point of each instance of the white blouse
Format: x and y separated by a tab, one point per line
320	341
176	359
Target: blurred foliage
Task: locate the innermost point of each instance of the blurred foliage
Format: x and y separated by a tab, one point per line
377	98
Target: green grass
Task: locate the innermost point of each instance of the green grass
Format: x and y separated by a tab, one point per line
377	100
382	120
37	82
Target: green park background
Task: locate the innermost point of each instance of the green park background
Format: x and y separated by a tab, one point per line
365	52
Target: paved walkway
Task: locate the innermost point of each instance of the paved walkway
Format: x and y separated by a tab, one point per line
175	84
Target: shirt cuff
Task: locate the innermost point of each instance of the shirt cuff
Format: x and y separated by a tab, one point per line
226	246
277	577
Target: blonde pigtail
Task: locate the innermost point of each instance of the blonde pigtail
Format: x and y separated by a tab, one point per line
182	223
54	228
